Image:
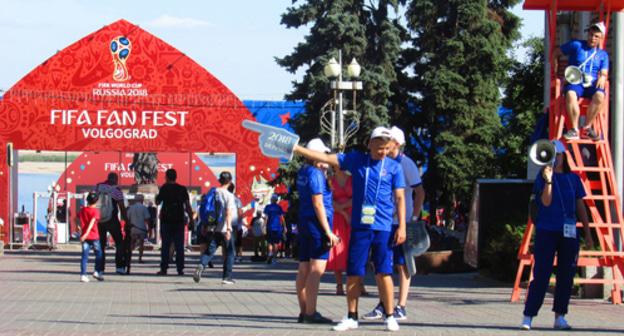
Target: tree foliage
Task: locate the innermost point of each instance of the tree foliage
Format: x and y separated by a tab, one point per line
366	30
524	94
436	72
458	59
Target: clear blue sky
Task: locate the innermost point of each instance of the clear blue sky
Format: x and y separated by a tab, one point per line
235	40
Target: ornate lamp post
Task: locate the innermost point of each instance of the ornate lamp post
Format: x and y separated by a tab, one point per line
333	115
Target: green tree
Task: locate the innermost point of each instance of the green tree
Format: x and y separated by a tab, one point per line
524	95
365	30
458	57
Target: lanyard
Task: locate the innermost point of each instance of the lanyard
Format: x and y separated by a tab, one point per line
561	196
383	161
590	60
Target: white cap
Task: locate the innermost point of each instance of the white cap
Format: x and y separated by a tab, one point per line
397	135
381	132
317	145
600	26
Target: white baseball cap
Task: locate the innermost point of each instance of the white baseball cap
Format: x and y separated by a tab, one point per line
397	135
381	132
600	26
317	145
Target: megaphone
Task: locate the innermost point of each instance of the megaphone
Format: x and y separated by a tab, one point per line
543	152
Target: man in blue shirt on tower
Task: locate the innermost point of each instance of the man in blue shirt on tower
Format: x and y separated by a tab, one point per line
594	65
378	186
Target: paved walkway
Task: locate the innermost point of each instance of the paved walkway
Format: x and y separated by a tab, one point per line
40	294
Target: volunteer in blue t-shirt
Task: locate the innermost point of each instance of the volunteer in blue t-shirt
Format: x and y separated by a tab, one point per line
315	232
559	197
378	185
414	198
275	227
594	65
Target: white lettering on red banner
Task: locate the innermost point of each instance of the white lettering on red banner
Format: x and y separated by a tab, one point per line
119	124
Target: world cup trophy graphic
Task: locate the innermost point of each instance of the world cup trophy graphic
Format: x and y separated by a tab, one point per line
120	50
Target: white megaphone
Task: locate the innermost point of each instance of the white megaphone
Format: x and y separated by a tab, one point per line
543	152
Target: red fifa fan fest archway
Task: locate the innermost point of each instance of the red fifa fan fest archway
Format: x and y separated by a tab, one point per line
122	89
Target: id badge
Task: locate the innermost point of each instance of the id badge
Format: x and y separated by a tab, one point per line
569	228
368	214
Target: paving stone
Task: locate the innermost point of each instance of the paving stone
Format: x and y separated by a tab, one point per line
40	293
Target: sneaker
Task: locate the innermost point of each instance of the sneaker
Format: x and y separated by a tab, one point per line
121	270
84	278
391	324
273	261
316	318
375	314
198	273
210	264
161	272
590	133
526	323
300	318
346	324
399	313
571	134
561	323
228	281
98	276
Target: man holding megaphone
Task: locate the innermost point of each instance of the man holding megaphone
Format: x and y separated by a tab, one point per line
586	76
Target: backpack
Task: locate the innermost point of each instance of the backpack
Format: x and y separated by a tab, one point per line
105	205
210	208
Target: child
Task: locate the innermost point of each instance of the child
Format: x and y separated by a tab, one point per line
89	218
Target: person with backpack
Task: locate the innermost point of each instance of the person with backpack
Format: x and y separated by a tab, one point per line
90	239
216	215
111	205
175	202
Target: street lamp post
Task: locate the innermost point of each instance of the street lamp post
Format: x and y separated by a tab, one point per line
333	69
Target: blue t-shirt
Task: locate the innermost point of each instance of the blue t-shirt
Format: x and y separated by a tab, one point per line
578	51
566	189
274	214
391	178
312	181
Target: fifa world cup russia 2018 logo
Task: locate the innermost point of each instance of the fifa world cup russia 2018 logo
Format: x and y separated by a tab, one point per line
120	50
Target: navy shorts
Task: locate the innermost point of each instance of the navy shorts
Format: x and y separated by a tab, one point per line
585	92
311	247
363	241
274	237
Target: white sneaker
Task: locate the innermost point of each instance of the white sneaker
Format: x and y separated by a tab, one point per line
345	324
561	323
526	323
84	278
391	323
99	276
